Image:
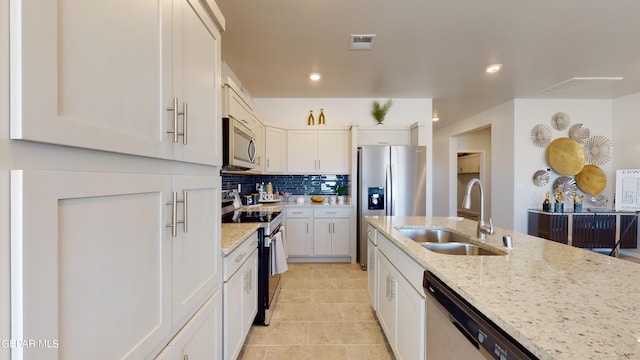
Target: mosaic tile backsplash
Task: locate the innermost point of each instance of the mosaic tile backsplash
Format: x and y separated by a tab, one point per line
295	184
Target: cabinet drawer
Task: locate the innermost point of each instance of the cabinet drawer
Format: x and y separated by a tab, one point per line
372	234
299	212
410	270
232	262
332	212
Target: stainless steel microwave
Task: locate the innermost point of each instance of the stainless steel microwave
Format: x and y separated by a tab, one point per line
239	145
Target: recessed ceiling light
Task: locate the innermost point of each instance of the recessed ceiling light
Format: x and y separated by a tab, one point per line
435	118
493	68
314	76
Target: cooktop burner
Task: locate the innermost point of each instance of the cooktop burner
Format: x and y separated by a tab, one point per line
250	216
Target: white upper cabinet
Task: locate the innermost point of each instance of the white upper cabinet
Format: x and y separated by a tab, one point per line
318	151
275	150
236	106
104	82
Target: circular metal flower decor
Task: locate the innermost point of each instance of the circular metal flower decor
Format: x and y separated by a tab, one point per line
597	150
579	132
560	120
541	135
541	178
566	185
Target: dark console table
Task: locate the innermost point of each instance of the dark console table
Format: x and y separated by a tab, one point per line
591	230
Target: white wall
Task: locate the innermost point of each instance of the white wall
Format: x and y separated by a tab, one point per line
595	114
293	113
626	132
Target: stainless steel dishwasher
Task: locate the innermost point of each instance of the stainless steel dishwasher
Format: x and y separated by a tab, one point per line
456	330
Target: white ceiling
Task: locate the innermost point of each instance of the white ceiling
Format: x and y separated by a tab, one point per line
434	49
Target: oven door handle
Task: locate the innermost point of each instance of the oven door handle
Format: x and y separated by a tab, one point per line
267	239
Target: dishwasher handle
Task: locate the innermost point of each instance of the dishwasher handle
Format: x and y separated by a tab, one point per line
464	332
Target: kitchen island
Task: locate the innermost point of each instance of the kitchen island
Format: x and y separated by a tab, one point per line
558	301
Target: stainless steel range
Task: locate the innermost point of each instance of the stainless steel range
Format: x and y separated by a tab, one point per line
268	283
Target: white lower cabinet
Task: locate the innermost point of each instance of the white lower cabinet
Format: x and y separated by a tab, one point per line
323	233
201	337
372	273
240	291
108	266
401	306
299	225
331	232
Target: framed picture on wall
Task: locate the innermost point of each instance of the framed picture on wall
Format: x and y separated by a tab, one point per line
628	190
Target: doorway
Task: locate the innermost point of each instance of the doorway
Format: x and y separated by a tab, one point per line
474	161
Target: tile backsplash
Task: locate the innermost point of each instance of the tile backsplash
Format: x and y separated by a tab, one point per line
295	184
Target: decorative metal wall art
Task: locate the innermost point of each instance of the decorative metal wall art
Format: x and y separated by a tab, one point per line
592	180
541	178
565	185
565	156
541	135
579	132
597	150
560	120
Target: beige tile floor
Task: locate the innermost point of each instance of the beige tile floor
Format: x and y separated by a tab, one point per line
323	312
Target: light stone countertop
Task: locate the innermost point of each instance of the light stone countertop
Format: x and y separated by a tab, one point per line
233	234
560	302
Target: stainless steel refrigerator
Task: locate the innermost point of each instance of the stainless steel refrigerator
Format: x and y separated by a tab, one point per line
391	181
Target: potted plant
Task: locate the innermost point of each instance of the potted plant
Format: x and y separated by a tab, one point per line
340	190
380	111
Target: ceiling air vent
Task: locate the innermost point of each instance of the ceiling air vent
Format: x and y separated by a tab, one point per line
362	42
577	87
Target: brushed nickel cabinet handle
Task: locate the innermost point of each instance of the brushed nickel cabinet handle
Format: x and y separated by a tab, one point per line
174	214
184	125
177	113
185	206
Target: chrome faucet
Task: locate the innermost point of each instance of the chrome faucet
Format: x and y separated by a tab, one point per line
466	204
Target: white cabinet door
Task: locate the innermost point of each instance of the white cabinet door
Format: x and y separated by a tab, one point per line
275	150
201	337
103	256
299	236
322	233
240	305
340	236
318	152
259	132
197	267
236	107
386	301
333	152
196	84
410	321
233	324
372	273
78	80
302	150
250	298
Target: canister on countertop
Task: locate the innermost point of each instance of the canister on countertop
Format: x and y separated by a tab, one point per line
269	188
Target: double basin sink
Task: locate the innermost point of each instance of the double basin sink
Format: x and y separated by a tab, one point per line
447	242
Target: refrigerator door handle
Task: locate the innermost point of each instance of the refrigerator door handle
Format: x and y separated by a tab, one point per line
388	210
392	191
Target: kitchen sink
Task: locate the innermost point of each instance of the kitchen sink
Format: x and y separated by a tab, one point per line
453	248
433	235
